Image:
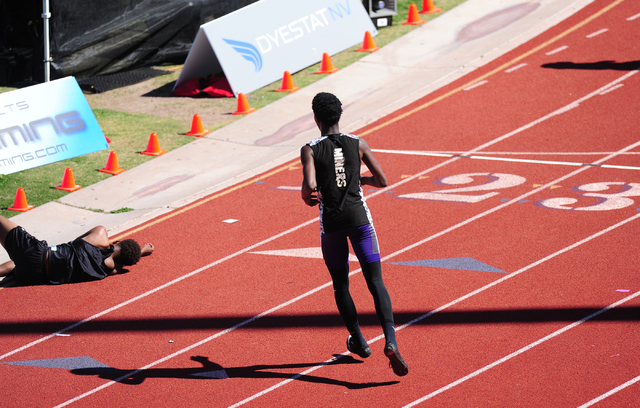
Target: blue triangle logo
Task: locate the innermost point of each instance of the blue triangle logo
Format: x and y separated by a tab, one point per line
465	263
71	363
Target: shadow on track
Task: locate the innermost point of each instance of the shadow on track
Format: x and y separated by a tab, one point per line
597	66
270	322
212	371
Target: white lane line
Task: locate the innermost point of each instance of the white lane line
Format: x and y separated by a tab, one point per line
613	391
443	153
381	191
604	30
475	85
633	17
557	50
613	88
522	350
524	64
505	159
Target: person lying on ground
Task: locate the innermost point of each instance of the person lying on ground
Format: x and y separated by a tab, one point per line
89	257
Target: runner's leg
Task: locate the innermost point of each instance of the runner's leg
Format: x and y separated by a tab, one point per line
365	244
335	250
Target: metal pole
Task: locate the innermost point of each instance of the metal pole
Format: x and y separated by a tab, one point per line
46	15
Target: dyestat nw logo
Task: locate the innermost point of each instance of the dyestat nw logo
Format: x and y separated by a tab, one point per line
248	52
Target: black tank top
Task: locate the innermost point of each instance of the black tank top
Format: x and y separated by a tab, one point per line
78	261
337	165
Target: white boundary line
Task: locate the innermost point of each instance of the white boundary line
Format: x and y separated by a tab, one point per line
613	391
494	141
633	17
504	159
477	84
613	88
458	153
524	64
524	349
557	50
604	30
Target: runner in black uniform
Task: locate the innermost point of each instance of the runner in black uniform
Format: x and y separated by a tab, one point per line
331	170
88	257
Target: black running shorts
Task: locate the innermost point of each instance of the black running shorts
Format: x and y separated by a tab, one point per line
29	255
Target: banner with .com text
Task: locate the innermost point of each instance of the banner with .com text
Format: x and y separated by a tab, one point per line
46	123
253	46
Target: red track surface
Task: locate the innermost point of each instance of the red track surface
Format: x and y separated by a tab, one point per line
204	302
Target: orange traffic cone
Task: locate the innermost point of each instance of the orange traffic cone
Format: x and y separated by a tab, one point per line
367	44
68	181
429	8
413	18
112	165
153	147
287	84
20	203
197	129
327	66
243	105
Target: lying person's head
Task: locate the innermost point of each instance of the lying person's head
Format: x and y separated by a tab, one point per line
130	252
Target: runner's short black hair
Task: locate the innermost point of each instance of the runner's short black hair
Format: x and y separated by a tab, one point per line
327	108
130	252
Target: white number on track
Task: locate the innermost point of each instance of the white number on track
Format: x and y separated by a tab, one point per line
494	181
606	201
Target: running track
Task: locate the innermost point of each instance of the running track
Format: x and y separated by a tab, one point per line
509	236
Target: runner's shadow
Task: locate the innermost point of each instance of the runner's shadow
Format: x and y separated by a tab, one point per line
211	370
597	66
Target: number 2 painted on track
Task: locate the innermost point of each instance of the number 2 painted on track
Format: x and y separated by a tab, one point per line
496	181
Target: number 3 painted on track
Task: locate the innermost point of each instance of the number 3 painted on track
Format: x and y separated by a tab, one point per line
606	201
495	181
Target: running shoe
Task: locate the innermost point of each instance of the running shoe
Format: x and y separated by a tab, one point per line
397	364
363	352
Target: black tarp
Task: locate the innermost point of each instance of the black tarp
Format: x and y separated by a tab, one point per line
98	37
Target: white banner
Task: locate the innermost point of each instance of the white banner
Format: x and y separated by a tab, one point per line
253	46
46	123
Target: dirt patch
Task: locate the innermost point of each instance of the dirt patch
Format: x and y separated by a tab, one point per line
153	97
